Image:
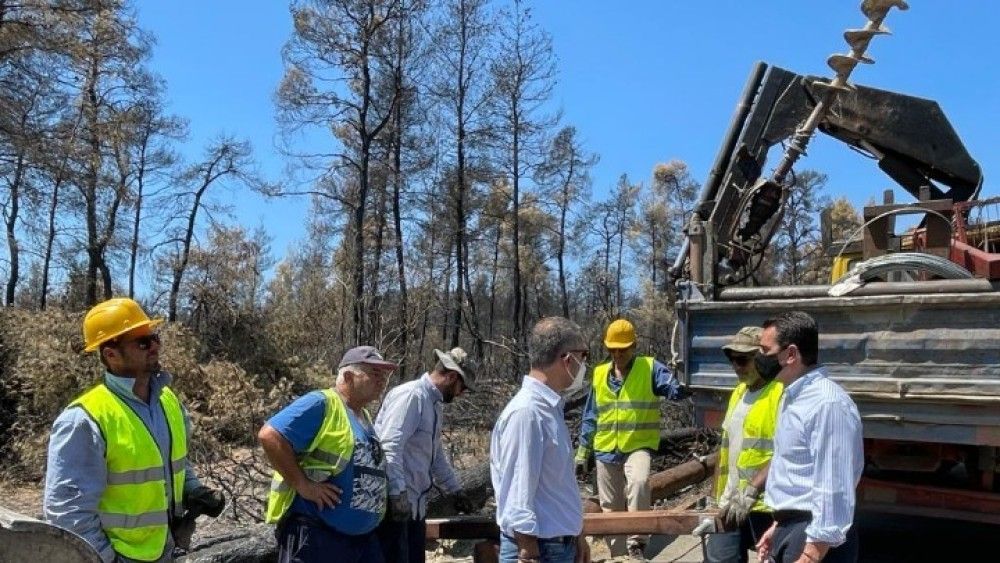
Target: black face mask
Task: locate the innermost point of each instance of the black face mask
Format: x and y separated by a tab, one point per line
767	366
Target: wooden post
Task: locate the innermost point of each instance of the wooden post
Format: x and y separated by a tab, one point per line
486	552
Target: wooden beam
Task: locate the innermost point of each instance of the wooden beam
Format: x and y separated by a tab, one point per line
462	528
671	522
676	523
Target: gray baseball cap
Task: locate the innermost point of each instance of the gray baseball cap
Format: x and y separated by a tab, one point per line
746	341
458	361
368	355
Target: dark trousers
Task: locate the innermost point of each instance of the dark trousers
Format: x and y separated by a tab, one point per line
306	540
790	539
402	542
732	547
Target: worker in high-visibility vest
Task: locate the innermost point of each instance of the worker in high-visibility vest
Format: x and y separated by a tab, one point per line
118	472
328	493
621	428
745	454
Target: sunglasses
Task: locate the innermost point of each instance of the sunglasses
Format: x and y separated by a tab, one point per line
142	342
583	353
739	360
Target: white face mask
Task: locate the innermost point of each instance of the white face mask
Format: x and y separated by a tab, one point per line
577	384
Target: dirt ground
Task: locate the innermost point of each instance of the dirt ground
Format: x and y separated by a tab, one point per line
245	477
27	500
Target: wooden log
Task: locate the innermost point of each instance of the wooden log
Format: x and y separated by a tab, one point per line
23	538
475	484
668	482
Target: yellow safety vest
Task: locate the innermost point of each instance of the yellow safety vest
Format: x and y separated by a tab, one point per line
630	420
327	455
758	437
133	507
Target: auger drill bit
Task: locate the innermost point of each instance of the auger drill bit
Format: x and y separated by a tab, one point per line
767	197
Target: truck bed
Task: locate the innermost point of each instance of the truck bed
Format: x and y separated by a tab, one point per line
920	366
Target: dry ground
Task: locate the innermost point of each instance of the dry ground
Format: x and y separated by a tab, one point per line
27	499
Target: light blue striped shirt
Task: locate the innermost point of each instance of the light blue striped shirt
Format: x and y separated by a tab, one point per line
409	428
818	456
531	466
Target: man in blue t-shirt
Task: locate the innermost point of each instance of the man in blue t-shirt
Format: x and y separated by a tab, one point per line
329	490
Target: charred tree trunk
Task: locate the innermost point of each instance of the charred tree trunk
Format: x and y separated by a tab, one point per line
397	188
10	221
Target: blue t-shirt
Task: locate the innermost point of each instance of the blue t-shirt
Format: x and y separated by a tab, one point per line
362	482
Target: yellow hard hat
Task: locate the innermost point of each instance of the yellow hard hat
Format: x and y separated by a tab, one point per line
111	319
620	334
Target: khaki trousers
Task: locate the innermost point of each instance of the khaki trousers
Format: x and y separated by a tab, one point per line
621	487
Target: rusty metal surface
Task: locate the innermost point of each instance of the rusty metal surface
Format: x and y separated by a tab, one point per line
921	367
903	498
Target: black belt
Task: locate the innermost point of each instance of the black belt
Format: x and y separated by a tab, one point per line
559	539
790	516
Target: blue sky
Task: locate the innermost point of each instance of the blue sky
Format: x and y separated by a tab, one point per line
643	81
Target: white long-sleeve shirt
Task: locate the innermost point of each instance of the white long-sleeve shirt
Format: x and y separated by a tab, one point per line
531	466
409	427
818	456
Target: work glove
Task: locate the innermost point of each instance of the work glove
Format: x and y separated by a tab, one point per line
584	460
182	529
463	503
399	507
199	500
204	500
735	511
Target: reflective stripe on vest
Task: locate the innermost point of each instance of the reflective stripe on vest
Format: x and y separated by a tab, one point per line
629	420
758	437
328	454
133	507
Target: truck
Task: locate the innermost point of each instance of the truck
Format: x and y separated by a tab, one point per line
911	332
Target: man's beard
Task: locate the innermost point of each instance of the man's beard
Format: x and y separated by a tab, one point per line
449	394
750	377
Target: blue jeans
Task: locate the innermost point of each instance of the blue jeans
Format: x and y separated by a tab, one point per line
302	539
732	547
556	550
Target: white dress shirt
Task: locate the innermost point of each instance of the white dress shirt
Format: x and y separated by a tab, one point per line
409	427
531	466
818	456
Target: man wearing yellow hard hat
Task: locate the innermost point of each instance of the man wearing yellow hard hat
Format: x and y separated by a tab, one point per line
117	473
621	428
